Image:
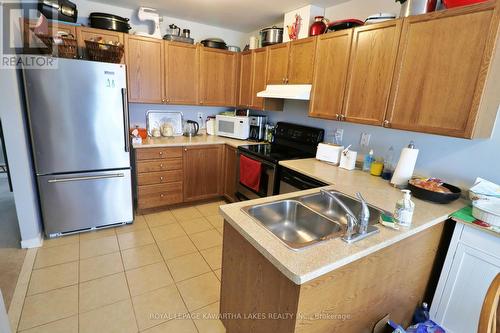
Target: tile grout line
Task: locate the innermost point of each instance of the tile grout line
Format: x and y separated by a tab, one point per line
175	284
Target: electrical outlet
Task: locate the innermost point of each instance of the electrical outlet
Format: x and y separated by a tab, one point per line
339	135
365	139
200	116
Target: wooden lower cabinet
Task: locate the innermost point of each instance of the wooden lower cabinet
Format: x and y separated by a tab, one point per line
203	174
159	173
230	172
351	298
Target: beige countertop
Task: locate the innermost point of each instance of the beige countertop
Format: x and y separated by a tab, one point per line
202	139
309	263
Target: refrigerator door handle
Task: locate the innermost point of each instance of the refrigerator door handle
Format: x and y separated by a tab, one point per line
126	121
76	179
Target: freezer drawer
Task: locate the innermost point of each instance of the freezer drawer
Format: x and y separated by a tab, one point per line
80	201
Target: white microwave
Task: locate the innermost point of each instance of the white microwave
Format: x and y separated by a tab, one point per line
237	127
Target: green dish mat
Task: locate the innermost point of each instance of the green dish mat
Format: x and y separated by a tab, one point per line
464	214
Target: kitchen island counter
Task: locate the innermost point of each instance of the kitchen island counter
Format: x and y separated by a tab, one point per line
317	260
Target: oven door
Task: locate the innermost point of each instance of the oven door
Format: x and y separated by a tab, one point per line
267	180
292	181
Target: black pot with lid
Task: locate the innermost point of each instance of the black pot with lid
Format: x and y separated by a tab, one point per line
109	22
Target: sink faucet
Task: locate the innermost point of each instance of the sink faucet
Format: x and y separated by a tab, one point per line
355	225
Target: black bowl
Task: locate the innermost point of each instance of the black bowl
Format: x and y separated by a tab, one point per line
437	197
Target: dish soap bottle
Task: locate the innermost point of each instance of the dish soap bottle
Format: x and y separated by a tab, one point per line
368	161
403	213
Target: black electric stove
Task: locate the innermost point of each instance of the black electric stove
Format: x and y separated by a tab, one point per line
291	141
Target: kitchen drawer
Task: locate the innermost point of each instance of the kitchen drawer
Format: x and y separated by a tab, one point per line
158	153
159	177
161	165
150	196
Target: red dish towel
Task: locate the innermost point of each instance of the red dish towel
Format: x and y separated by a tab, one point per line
250	173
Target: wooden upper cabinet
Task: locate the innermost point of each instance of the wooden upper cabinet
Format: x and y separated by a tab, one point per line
203	176
277	69
373	55
181	73
245	91
86	33
301	61
330	74
441	70
144	69
218	77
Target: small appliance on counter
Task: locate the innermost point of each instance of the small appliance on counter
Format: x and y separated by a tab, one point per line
257	128
109	22
61	10
191	128
211	125
329	152
236	127
271	36
150	14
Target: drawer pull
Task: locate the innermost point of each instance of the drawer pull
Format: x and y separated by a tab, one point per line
161	178
162	195
161	165
161	153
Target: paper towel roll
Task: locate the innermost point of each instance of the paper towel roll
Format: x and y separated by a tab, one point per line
405	167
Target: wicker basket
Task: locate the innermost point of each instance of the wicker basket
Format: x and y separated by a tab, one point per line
104	52
63	47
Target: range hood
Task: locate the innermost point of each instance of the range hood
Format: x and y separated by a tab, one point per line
287	91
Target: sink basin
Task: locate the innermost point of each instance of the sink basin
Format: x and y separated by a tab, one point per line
331	209
294	223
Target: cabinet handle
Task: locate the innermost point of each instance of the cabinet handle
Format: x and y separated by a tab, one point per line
161	153
386	123
343	117
337	116
161	165
286	80
201	101
283	80
185	149
162	195
161	178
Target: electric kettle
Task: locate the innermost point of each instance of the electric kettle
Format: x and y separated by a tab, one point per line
191	128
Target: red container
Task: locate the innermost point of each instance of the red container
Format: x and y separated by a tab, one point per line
318	27
459	3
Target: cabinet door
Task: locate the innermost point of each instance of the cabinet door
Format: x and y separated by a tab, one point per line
144	69
373	55
86	33
218	77
277	63
330	74
245	91
230	166
202	172
181	73
442	64
301	61
470	276
259	69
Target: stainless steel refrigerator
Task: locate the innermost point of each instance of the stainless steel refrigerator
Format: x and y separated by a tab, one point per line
78	120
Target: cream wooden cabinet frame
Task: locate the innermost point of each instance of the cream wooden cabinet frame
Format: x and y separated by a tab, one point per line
472	262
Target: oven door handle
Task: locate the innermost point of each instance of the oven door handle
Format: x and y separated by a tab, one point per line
269	164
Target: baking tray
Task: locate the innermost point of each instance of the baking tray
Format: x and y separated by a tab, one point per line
155	118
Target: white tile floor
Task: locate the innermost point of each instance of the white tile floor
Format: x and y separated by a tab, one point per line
160	274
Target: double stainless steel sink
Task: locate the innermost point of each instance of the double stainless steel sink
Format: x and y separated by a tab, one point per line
306	220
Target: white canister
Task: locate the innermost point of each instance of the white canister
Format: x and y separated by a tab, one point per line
254	43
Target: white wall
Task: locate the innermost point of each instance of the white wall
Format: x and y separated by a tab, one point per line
198	31
19	156
361	9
